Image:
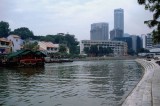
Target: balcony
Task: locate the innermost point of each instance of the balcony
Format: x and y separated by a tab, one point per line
4	46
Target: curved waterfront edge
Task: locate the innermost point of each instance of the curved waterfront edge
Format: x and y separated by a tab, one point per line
106	58
147	91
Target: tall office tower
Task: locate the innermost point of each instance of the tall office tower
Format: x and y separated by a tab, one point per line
143	37
119	19
99	31
136	43
116	33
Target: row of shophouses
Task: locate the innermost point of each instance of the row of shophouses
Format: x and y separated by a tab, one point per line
13	43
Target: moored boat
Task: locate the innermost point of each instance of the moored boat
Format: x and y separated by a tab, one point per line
23	58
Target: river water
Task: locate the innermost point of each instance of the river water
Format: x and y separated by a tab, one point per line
80	83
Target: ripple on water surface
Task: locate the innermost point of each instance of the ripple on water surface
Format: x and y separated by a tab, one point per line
81	83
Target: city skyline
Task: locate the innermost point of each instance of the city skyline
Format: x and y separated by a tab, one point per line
99	31
72	16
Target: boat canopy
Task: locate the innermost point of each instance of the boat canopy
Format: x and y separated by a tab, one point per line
25	52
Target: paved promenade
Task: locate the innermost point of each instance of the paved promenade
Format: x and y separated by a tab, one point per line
147	91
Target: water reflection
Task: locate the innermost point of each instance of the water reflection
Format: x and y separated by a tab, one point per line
89	83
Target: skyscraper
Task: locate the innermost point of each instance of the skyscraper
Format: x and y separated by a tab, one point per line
99	31
116	33
119	19
143	37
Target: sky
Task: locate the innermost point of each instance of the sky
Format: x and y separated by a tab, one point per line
72	16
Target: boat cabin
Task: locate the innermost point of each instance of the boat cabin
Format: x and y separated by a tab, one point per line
24	58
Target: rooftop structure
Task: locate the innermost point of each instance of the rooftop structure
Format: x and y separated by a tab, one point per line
119	19
48	47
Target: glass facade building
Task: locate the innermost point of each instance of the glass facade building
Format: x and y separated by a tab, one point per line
119	19
99	31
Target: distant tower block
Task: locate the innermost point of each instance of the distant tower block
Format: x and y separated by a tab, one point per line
99	31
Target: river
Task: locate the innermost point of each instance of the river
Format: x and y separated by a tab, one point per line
79	83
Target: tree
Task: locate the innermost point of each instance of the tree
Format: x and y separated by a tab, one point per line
94	50
62	49
30	45
110	50
153	6
71	43
86	50
65	39
101	51
23	32
4	29
60	39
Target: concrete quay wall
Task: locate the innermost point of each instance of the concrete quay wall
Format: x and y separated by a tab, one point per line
147	91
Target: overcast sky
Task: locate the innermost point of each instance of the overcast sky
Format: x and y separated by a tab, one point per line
72	16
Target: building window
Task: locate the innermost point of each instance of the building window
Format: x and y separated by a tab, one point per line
47	48
55	49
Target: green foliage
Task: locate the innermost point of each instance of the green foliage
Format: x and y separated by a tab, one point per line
86	50
23	32
71	42
30	45
62	49
4	29
65	39
60	39
77	50
154	7
94	50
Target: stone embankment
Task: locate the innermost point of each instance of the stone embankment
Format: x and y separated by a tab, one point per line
147	91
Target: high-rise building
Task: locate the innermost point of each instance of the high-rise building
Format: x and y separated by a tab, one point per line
136	43
99	31
128	40
116	33
149	42
119	19
143	37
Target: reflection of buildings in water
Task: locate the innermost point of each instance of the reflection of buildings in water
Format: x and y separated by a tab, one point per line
98	79
4	84
125	76
20	80
117	79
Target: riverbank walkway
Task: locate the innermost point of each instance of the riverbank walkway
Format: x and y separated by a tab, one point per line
147	91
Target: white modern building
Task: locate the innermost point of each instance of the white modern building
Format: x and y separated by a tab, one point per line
48	47
99	31
143	37
119	19
149	42
119	47
134	42
17	42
